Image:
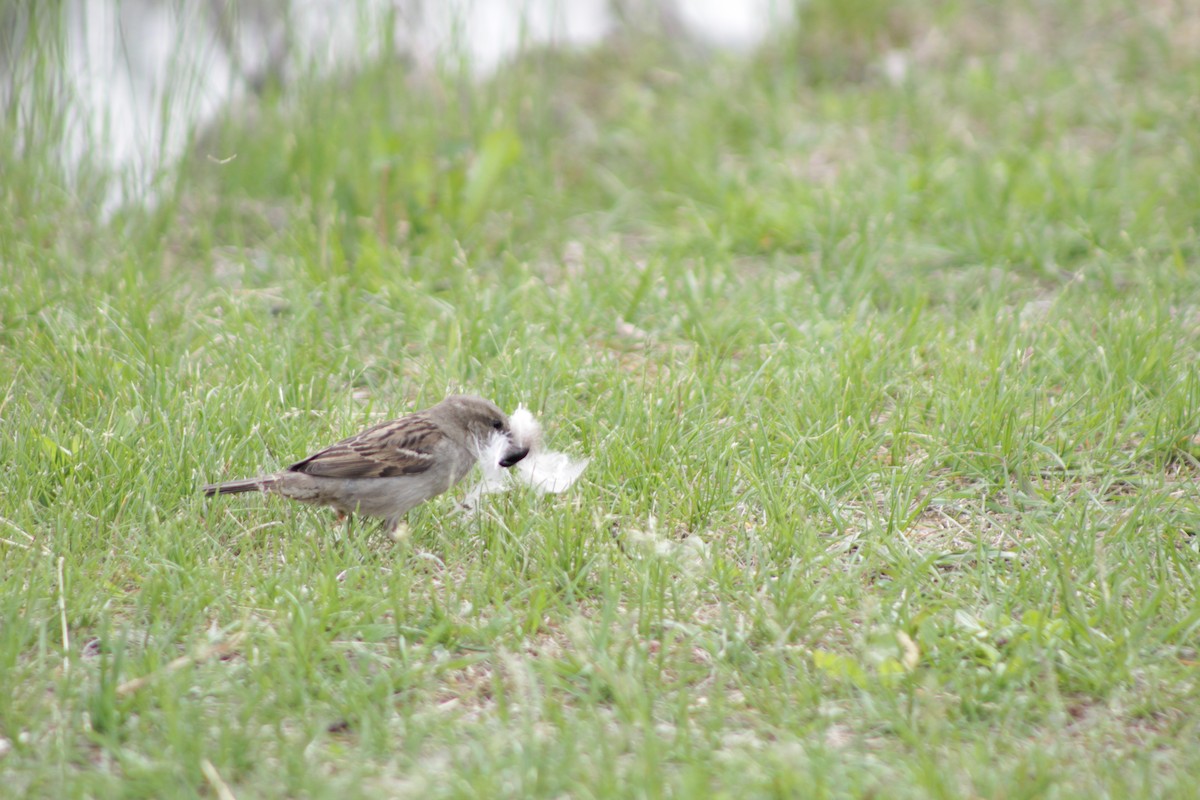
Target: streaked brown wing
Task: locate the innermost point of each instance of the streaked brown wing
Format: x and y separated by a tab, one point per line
387	450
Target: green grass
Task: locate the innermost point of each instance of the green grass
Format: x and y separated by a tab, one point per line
891	392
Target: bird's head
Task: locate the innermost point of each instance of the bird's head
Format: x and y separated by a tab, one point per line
486	428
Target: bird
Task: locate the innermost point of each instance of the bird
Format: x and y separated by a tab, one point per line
389	468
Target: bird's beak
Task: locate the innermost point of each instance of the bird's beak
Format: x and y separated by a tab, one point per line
511	457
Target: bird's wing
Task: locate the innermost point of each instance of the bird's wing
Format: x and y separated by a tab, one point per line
387	450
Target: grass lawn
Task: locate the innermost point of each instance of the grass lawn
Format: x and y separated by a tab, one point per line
883	340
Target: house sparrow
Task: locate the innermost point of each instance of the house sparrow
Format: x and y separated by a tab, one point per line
393	466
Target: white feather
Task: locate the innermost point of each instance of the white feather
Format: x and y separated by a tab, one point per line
545	471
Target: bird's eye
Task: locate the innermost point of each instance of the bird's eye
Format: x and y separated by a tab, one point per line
498	425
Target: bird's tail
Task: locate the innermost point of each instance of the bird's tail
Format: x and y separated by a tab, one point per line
237	487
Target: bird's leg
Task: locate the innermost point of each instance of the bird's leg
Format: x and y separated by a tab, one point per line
396	529
346	520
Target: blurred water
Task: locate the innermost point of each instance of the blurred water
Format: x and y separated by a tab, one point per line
145	72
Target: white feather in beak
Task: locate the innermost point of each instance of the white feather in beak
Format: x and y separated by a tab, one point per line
546	471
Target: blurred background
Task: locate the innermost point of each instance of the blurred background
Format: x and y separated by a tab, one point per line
137	76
